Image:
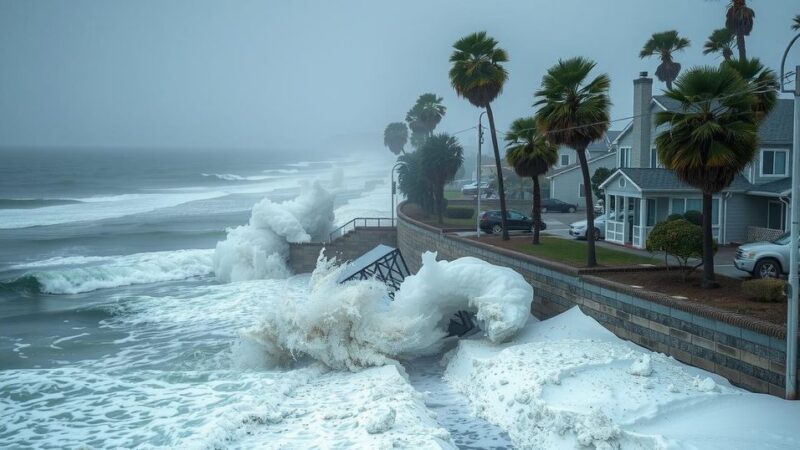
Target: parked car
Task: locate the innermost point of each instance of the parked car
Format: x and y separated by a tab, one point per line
554	204
490	221
764	259
578	229
472	188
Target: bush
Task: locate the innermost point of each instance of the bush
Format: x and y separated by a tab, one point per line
672	217
695	217
770	290
679	238
459	212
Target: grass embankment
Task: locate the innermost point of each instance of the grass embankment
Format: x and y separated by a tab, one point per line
570	252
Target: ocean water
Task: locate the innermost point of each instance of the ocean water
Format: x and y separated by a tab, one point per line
114	331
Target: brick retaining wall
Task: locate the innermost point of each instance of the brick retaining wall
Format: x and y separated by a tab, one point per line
303	257
751	353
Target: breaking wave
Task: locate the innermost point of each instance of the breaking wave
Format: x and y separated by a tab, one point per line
111	272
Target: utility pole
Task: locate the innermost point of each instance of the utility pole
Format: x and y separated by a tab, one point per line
394	192
794	260
478	175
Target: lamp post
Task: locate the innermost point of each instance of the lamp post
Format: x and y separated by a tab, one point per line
394	191
794	282
478	175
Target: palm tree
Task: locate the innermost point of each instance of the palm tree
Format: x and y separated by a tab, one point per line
413	183
441	157
739	20
720	41
395	137
796	23
477	74
763	84
575	112
664	45
710	139
531	155
423	117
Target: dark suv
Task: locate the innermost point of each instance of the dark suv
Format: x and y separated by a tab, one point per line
554	204
491	223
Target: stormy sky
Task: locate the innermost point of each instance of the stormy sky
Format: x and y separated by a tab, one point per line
301	74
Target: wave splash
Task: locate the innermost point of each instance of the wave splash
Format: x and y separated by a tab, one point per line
138	268
355	325
259	249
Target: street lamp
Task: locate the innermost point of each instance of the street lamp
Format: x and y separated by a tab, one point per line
794	282
394	191
478	172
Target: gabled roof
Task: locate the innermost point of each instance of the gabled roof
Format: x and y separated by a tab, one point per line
778	188
776	129
575	166
666	180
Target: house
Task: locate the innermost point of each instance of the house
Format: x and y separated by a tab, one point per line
566	179
754	207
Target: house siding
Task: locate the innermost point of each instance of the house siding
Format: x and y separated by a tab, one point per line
744	211
564	186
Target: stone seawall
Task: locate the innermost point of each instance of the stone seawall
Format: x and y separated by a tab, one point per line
303	257
750	353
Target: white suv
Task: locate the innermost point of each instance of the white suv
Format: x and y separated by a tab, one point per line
764	259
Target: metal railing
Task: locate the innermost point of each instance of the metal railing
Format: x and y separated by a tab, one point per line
361	222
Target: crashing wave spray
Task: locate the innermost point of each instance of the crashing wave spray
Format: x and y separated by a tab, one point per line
259	249
353	325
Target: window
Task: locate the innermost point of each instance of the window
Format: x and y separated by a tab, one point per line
694	204
651	212
564	160
621	181
624	156
681	205
581	190
775	216
678	206
773	163
655	163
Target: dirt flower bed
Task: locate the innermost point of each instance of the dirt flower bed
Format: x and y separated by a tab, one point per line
728	296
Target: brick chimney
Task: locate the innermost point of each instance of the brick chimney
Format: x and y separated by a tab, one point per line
642	121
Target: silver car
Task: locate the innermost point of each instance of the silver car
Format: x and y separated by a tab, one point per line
764	259
578	229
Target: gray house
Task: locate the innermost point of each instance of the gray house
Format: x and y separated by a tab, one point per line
754	207
566	180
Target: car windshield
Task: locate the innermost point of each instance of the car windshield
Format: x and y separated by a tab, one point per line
783	240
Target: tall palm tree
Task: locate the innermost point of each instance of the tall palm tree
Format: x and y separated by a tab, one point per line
531	155
441	157
720	41
763	84
395	137
413	183
796	23
739	19
709	140
574	111
423	117
664	44
477	74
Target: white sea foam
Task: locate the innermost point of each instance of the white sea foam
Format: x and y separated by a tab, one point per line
234	177
355	325
116	271
260	248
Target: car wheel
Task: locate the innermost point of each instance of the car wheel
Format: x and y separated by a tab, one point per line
767	268
497	229
571	209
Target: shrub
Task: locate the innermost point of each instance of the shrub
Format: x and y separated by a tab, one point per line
680	239
695	217
768	290
672	217
459	212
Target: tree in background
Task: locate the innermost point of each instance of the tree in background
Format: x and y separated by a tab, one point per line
413	183
664	45
600	175
395	136
423	117
440	158
763	83
531	155
477	74
709	140
721	41
739	20
574	111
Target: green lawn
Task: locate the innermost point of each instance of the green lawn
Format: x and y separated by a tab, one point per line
454	195
573	252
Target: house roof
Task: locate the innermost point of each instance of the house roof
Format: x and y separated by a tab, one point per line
666	180
776	128
598	150
575	166
782	187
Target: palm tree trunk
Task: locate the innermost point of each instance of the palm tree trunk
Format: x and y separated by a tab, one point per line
537	209
440	203
669	84
591	255
708	244
500	187
740	45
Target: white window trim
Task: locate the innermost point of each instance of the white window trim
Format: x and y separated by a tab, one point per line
654	155
561	160
713	199
773	175
627	152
